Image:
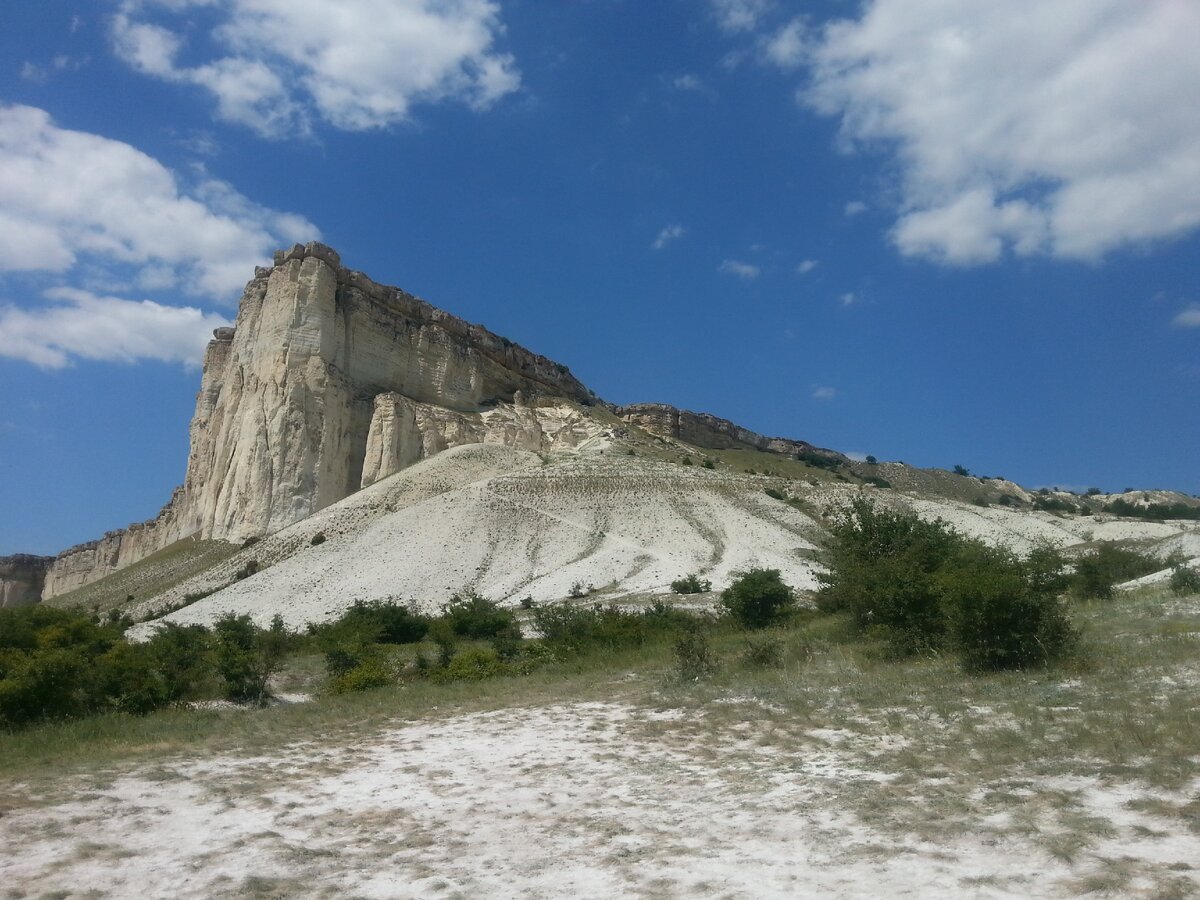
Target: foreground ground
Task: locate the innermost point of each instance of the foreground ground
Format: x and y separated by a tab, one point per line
836	773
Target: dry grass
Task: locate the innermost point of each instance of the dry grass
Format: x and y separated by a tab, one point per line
1084	780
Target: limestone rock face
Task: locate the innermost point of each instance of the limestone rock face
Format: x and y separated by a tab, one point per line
403	431
21	579
704	430
287	400
329	382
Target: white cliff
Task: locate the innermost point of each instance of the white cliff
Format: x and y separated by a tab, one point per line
327	382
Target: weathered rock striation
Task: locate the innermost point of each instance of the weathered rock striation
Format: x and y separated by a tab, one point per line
705	430
329	381
21	579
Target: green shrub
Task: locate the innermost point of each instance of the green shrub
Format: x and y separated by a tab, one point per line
1099	571
922	586
694	658
317	539
444	638
1156	511
247	656
1000	613
775	494
129	678
691	584
52	683
385	622
709	464
472	664
182	655
364	676
764	654
818	460
880	565
1184	580
575	629
473	616
757	598
1047	502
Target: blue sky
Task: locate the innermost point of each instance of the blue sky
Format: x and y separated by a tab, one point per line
921	229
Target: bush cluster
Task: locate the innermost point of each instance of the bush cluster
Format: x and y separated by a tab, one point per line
471	616
1184	580
694	658
818	460
60	664
757	598
921	586
691	584
576	629
1155	511
1101	569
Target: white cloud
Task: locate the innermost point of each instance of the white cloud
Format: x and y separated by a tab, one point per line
739	15
69	198
854	208
1067	129
688	82
36	74
788	48
848	299
1188	318
359	64
806	266
823	392
667	235
86	326
745	271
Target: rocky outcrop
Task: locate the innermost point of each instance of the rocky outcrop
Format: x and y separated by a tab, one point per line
21	579
704	430
328	382
403	431
287	404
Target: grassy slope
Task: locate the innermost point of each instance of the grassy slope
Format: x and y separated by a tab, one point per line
158	572
1116	712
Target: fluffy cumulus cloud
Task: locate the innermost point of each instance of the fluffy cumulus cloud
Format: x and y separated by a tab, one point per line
1188	318
1067	129
357	64
73	201
78	323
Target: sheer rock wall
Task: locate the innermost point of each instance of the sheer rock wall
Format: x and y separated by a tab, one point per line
21	579
288	396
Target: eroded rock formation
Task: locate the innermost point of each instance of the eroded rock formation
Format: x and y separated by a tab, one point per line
329	381
21	579
704	430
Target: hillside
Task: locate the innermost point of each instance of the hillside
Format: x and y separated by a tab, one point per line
433	457
512	524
